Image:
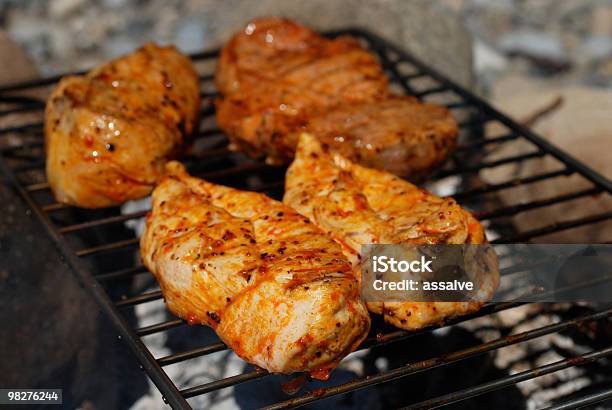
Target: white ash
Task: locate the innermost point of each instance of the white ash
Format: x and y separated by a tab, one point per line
197	371
541	391
542	398
137	225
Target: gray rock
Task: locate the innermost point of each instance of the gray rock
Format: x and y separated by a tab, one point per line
602	19
61	8
428	29
596	47
119	45
16	66
114	3
487	58
602	74
535	44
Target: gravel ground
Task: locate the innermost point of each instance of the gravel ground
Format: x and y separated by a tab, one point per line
569	41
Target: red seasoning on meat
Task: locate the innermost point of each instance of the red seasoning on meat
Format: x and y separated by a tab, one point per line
358	205
109	133
276	289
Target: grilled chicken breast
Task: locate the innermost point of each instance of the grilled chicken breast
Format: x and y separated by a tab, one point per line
358	205
276	289
278	78
109	133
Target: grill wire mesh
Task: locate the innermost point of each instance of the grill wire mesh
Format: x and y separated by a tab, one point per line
22	163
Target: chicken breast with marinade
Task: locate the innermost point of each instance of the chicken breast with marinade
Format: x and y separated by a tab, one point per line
357	205
109	133
274	287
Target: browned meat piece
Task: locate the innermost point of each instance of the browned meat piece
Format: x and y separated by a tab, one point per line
358	205
278	78
109	133
276	74
396	134
274	287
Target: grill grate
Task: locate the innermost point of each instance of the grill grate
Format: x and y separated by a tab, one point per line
22	163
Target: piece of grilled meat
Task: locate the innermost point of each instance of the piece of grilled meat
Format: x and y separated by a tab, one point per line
276	289
275	74
278	78
109	133
397	134
358	205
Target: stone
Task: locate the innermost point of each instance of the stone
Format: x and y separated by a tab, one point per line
16	65
603	75
431	31
114	3
61	8
596	47
487	58
602	20
534	44
116	46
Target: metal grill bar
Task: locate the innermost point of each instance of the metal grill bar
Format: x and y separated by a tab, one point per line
514	379
489	164
24	157
20	99
25	108
435	90
392	69
420	366
485	141
491	112
148	330
375	340
37	187
236	166
29	167
487	189
122	273
191	354
100	222
54	207
409	77
223	383
143	298
515	209
34	83
12	148
556	227
107	247
25	128
474	122
583	401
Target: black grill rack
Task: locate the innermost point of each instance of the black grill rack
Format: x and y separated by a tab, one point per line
22	162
